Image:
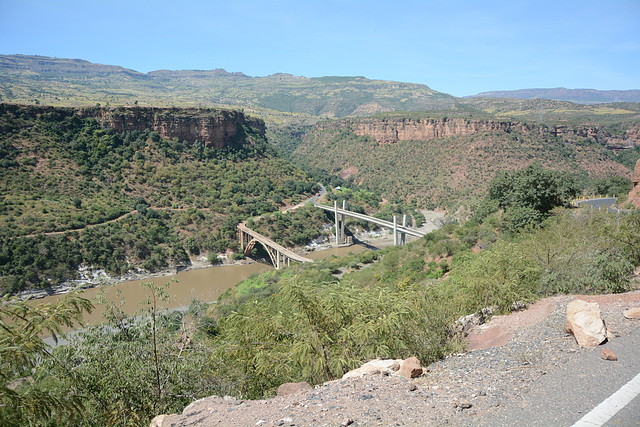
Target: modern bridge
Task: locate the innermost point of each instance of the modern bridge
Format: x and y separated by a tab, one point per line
399	231
280	256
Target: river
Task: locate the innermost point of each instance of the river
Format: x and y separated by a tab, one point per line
204	284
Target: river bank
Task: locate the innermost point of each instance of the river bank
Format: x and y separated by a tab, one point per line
92	278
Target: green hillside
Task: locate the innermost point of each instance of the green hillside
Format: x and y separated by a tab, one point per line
134	199
447	171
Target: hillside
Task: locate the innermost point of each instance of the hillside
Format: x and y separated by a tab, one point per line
76	82
145	198
440	161
578	96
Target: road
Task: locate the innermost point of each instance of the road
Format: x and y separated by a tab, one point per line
564	396
606	203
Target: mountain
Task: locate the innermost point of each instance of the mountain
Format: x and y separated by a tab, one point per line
292	105
579	96
37	79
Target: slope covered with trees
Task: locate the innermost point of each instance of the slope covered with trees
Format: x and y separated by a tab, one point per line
74	192
449	170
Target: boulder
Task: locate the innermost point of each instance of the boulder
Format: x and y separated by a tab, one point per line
465	324
157	421
410	368
290	388
375	366
584	321
632	313
607	354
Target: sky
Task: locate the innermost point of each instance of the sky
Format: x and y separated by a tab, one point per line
458	47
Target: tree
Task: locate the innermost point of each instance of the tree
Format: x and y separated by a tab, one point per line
528	195
23	399
615	186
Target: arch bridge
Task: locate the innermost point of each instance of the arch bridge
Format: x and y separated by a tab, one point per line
280	256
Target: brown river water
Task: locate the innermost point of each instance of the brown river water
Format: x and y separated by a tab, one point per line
205	284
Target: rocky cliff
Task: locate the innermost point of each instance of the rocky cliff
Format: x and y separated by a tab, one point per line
215	128
386	131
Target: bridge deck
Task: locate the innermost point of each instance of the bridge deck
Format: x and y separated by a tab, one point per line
374	220
266	241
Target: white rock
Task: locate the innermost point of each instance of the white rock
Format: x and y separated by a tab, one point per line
376	365
584	321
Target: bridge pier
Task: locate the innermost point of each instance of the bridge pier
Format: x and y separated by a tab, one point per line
399	237
342	221
339	223
395	231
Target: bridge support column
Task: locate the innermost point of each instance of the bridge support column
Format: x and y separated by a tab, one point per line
244	240
403	236
335	211
343	218
395	231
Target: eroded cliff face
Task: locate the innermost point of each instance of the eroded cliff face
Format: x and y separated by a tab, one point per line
389	131
215	128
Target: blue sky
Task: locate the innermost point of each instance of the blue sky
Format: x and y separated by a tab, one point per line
457	47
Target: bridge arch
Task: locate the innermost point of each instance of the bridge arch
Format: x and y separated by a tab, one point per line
279	255
272	253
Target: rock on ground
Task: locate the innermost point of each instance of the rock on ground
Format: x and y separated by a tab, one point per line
584	321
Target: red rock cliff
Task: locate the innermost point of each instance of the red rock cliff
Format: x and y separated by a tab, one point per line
215	127
388	131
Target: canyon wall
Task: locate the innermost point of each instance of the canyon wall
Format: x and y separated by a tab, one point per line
389	131
215	128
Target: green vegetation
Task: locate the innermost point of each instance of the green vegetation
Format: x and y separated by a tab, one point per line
305	323
446	172
25	397
134	199
296	227
614	186
528	195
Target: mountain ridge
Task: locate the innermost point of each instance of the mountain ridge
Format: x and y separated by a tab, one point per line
35	79
579	96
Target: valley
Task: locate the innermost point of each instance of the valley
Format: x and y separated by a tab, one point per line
105	169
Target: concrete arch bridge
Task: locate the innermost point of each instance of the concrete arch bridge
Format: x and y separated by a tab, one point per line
280	256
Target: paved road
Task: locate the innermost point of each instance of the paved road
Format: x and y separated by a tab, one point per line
603	204
569	392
